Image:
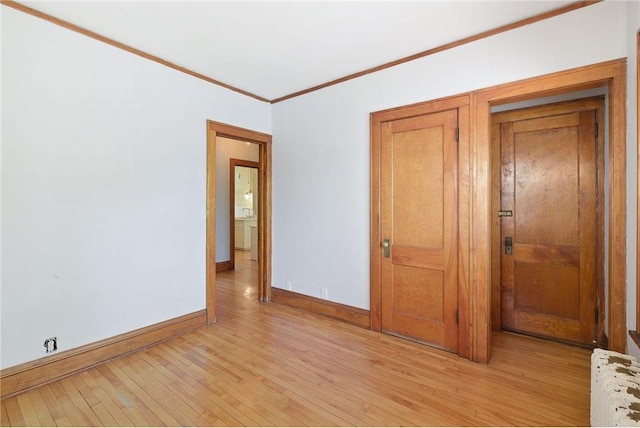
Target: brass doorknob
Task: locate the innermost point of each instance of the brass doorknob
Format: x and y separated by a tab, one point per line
386	244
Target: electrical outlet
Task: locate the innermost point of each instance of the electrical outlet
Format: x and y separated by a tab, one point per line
324	293
51	345
289	285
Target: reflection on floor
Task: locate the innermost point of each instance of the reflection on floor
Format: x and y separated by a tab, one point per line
244	276
264	364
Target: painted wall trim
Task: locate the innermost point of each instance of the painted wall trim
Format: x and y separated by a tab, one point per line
504	28
349	314
611	74
19	378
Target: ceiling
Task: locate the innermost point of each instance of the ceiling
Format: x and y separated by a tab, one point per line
275	48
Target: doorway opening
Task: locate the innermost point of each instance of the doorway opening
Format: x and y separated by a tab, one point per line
610	75
548	241
219	243
244	210
474	315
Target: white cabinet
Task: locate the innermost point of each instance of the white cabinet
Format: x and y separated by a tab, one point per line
243	233
239	239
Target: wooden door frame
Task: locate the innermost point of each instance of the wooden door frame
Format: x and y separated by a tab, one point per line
474	198
591	103
214	130
232	199
460	102
611	74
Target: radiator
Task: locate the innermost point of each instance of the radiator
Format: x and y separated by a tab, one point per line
615	389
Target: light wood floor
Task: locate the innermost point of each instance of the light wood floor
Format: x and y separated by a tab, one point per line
272	365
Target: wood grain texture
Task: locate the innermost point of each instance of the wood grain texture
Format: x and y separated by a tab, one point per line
618	212
378	120
223	266
549	182
611	74
419	216
24	376
603	341
464	230
559	254
480	276
375	233
274	365
210	251
265	207
496	244
350	314
215	129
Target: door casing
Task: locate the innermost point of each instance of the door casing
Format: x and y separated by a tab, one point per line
474	215
610	74
214	130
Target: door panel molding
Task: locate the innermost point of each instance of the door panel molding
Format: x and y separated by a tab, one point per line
474	198
214	130
611	74
378	119
549	282
560	255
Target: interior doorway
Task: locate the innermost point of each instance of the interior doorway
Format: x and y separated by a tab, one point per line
547	220
215	131
610	75
474	316
244	210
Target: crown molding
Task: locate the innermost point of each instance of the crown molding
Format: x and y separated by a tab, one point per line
504	28
65	24
568	8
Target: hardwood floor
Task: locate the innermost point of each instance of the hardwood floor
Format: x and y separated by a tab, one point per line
273	365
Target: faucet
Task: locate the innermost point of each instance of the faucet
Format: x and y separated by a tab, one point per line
247	212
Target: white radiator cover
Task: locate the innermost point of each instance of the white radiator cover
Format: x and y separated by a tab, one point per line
615	389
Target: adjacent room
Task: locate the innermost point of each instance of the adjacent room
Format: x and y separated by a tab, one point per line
310	213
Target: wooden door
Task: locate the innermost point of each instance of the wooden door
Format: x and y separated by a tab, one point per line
549	185
419	297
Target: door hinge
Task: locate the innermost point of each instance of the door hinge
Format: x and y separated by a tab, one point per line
457	135
457	317
595	129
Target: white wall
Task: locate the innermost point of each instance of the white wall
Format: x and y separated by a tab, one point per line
103	187
225	150
321	140
103	171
